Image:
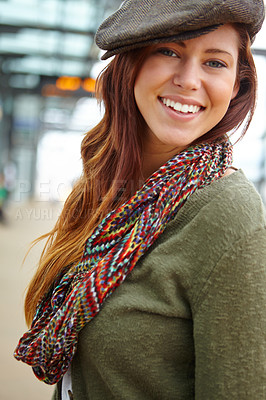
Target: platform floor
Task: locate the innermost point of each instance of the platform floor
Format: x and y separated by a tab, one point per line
24	223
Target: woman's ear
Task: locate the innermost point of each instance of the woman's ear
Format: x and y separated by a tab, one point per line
236	89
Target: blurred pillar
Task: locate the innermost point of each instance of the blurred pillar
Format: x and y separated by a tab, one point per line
5	127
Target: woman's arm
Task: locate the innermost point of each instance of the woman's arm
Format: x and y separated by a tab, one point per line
230	325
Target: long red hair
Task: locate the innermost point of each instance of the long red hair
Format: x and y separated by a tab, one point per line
112	157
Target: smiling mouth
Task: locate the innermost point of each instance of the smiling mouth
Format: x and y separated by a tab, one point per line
183	108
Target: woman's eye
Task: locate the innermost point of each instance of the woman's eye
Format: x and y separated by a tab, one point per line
215	64
167	52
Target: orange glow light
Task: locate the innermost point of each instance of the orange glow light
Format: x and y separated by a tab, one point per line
89	85
68	83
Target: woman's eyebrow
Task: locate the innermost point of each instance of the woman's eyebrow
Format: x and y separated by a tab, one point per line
209	51
182	44
215	51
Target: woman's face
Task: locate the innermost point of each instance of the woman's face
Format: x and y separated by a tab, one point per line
183	89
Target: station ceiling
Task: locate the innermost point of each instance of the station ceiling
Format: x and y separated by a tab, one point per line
45	39
49	38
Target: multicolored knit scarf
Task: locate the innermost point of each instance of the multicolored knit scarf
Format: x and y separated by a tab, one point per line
110	254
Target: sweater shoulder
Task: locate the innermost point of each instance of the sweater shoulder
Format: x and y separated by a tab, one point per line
230	205
237	195
215	221
238	205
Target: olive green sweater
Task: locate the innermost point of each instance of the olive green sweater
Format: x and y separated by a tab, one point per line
189	322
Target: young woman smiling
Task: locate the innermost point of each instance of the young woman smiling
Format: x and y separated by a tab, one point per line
200	73
152	283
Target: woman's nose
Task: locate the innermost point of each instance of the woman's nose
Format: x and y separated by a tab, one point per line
188	76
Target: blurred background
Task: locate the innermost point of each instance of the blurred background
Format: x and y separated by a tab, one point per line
48	67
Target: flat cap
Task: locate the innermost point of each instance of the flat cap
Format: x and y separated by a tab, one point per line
139	23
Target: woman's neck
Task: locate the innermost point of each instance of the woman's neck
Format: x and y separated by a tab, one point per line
156	154
153	160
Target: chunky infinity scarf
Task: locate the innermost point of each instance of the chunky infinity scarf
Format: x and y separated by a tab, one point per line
111	252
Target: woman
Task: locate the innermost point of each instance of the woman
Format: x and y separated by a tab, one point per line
174	236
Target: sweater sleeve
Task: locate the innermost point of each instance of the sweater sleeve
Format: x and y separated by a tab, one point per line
230	325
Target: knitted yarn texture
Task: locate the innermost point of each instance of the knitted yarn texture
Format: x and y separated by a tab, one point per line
110	254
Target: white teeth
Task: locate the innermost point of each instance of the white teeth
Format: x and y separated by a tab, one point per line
178	106
184	108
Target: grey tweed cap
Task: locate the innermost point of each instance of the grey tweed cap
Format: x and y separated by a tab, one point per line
139	23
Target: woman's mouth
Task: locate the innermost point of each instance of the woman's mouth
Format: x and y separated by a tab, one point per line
183	108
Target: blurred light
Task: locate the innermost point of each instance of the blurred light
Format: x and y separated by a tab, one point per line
68	83
89	85
86	115
55	178
55	116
